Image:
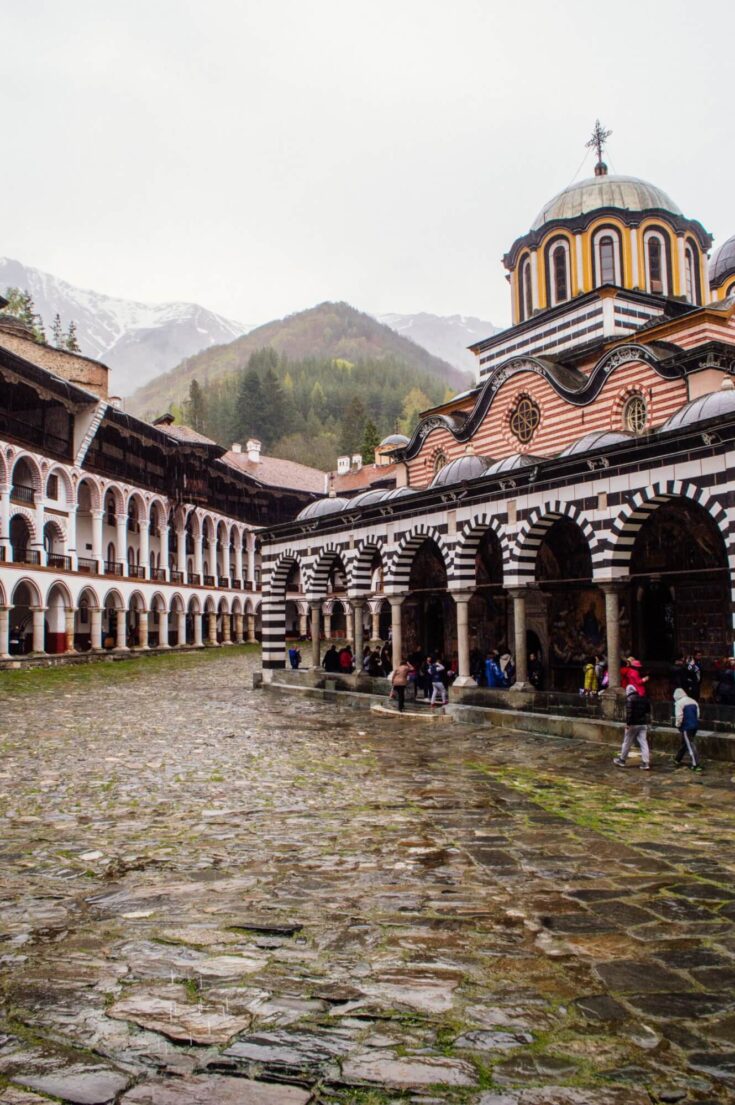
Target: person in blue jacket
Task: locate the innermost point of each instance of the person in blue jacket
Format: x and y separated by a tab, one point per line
494	676
686	714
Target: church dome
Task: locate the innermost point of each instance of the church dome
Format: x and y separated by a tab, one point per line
627	193
397	493
320	508
468	467
394	440
723	261
714	405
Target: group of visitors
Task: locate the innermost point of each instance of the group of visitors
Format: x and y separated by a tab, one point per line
432	675
686	677
596	677
341	662
496	668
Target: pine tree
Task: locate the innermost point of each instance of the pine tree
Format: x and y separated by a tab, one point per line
21	306
195	408
353	426
250	406
57	334
370	442
71	342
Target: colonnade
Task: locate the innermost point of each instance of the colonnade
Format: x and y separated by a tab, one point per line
519	594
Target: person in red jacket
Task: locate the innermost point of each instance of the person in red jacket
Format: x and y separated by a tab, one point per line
631	675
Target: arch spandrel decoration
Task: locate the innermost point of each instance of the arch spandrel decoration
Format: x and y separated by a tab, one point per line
465	550
522	565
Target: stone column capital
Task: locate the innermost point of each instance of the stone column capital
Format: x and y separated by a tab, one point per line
461	596
612	586
357	601
521	590
396	600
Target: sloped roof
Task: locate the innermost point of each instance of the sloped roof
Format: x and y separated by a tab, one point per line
276	472
361	479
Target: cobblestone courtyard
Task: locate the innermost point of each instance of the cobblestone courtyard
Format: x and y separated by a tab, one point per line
213	895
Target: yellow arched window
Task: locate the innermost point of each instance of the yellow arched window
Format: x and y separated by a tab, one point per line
691	273
657	275
558	272
526	289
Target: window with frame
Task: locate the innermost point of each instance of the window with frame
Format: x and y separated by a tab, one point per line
52	487
655	264
690	275
559	273
524	419
635	415
607	260
440	459
526	290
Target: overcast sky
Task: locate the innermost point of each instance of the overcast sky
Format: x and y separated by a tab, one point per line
261	156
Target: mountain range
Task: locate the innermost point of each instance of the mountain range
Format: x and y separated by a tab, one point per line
142	342
330	331
138	341
446	336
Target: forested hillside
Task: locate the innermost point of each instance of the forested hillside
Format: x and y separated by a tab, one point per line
312	386
324	333
311	410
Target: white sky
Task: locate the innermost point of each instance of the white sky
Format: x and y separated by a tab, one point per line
260	156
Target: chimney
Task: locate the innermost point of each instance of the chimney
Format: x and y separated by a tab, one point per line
357	461
116	402
236	447
253	447
343	466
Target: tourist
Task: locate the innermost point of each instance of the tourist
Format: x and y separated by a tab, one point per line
386	659
535	671
508	669
686	719
346	665
436	673
693	680
493	674
375	667
678	673
637	711
331	659
477	666
366	654
294	656
631	675
725	690
399	682
590	686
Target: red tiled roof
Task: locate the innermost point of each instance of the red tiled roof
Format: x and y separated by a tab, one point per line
185	433
278	473
362	478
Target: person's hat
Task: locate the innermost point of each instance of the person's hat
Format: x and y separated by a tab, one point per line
634	663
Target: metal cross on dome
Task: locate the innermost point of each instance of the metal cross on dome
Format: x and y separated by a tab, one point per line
598	139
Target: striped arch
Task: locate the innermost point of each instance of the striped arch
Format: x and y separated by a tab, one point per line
93	489
318	581
29	518
114	599
359	577
465	551
522	564
34	470
176	604
275	584
399	572
3	470
627	525
118	495
65	480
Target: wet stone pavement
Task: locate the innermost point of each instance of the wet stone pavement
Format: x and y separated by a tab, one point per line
210	894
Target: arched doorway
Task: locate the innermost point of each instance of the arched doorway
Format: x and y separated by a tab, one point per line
20	541
575	608
428	618
679	599
57	602
23	601
489	608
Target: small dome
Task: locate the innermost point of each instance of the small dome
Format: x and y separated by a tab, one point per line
723	261
320	508
714	405
625	192
394	440
397	493
513	462
468	467
372	495
598	439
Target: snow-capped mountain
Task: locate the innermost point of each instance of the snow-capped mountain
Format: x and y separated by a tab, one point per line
138	341
446	336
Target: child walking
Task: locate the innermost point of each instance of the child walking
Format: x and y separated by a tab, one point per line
686	716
